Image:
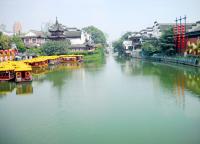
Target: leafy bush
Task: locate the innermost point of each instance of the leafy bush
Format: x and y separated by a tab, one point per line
55	47
19	43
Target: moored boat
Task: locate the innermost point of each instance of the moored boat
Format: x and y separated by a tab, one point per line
66	59
71	58
6	72
79	58
37	63
52	60
23	73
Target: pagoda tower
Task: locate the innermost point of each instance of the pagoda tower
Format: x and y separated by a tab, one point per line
57	31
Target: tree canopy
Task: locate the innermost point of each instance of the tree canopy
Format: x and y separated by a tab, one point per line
96	34
19	43
167	45
118	44
55	47
151	47
4	41
164	45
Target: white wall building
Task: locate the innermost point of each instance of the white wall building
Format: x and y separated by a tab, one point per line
83	38
128	47
34	38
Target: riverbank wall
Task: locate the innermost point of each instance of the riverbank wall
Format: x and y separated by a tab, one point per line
178	60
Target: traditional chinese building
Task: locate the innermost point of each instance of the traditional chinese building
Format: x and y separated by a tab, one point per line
80	40
57	31
34	38
193	34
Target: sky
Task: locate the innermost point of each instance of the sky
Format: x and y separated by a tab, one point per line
114	17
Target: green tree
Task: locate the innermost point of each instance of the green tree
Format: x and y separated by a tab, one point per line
55	47
150	47
4	41
167	44
126	35
96	34
118	44
19	43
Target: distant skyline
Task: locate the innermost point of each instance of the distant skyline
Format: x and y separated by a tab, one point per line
114	17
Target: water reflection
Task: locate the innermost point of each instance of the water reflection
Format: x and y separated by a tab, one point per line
176	78
56	74
6	88
19	88
24	88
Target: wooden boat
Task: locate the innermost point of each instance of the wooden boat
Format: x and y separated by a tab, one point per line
67	59
53	60
23	73
37	63
6	72
78	58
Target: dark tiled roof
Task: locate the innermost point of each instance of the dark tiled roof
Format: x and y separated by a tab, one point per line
195	27
73	34
78	46
57	27
38	33
164	27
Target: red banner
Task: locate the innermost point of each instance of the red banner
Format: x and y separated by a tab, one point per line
179	37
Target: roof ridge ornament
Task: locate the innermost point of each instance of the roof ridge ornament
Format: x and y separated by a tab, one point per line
56	20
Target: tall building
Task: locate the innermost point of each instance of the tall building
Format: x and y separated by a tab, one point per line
17	28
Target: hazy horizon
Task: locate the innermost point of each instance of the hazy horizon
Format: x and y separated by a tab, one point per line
112	17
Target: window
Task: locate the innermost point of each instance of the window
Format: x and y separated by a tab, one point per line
34	40
26	40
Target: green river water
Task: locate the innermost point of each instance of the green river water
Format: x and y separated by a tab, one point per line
115	102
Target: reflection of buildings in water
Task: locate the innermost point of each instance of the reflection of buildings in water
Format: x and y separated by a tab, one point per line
24	88
127	67
64	66
40	73
131	66
6	88
179	90
193	82
21	88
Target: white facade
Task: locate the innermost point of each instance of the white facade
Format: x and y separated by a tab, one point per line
156	30
195	27
32	39
85	37
127	44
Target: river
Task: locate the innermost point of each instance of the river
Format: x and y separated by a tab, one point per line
115	102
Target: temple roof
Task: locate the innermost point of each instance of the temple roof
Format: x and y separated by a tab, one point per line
165	26
34	33
195	27
57	27
73	34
